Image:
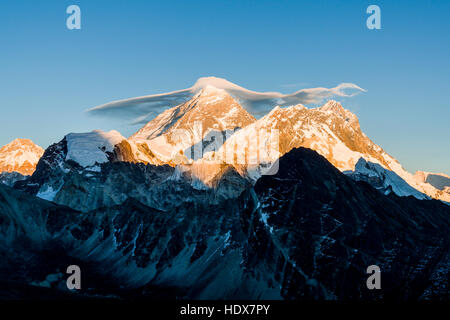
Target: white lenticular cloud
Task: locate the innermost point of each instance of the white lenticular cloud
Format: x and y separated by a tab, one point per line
143	109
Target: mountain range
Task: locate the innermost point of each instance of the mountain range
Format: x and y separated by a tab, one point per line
213	122
307	232
186	207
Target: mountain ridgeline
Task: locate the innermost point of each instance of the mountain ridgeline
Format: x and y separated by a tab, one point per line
308	232
213	123
144	218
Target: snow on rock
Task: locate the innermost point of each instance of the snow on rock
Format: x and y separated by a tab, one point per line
9	178
47	194
438	180
335	133
20	155
383	179
88	149
204	122
215	123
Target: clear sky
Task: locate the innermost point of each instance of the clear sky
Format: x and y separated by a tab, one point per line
50	75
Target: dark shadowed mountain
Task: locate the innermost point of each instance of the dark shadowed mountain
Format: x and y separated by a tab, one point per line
324	230
308	232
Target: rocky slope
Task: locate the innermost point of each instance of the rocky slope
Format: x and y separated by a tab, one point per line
20	155
89	171
78	170
308	232
385	180
10	178
212	129
322	228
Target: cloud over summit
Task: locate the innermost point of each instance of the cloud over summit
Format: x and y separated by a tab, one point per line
143	109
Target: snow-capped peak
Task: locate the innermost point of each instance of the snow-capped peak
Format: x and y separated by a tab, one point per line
20	155
209	95
211	90
440	181
213	111
211	107
332	105
143	107
334	132
88	149
216	83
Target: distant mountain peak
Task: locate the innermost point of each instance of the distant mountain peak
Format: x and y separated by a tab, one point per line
214	82
211	90
335	108
213	107
332	105
20	155
285	110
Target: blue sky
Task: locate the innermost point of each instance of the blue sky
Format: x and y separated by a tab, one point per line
50	75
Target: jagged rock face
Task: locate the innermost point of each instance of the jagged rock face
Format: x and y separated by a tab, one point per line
10	178
156	186
20	155
307	232
129	151
66	182
86	171
191	251
24	240
321	228
114	183
333	132
382	179
330	130
50	170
